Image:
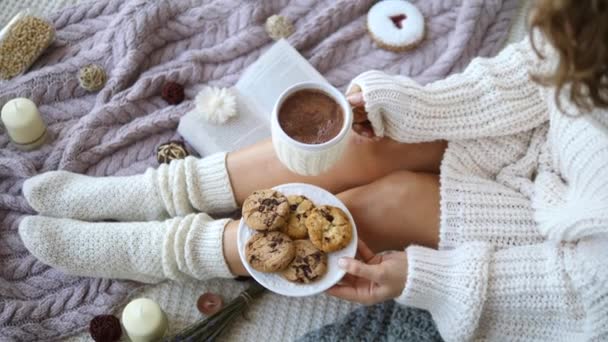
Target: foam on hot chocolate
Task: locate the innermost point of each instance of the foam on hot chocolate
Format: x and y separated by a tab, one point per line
311	117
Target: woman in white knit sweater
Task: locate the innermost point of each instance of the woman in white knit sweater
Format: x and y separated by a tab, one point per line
513	209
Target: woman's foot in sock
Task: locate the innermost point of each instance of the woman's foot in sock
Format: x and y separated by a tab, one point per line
177	189
180	249
67	194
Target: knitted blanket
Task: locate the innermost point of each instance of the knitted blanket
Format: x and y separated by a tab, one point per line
141	44
386	321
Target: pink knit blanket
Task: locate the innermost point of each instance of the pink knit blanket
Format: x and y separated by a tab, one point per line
141	44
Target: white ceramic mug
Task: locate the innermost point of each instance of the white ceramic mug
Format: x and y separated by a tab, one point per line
310	159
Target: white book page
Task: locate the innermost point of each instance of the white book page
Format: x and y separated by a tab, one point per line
257	91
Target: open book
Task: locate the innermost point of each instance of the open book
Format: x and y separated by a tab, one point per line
257	90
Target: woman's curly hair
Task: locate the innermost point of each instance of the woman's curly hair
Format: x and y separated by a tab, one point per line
578	30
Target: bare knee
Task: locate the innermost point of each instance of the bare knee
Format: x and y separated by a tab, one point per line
404	186
396	210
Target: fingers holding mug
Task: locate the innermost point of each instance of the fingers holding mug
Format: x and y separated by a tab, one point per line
361	125
356	99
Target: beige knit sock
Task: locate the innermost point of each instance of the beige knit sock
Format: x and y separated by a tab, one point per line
180	248
174	189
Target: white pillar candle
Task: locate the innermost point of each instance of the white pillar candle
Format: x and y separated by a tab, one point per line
144	320
23	123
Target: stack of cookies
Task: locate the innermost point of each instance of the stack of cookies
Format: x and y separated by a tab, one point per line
293	235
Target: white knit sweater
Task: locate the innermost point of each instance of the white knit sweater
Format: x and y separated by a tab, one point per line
524	201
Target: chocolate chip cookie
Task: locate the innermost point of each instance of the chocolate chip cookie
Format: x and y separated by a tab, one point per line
269	252
309	264
266	210
329	228
300	208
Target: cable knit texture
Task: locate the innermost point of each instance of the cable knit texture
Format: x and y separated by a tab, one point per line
524	200
142	45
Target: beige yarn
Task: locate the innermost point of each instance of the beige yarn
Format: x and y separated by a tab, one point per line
92	77
278	26
25	41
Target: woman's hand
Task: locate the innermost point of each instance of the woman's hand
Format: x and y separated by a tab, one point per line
361	124
375	279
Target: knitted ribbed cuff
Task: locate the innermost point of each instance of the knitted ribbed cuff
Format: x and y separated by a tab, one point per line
205	246
450	285
369	82
214	193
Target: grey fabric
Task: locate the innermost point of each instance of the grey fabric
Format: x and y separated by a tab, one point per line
386	321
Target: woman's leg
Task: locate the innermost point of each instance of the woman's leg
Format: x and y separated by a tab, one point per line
207	184
231	251
397	210
257	166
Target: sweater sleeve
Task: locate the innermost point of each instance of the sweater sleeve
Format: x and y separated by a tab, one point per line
492	97
543	291
572	202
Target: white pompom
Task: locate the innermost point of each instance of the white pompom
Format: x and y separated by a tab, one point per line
215	105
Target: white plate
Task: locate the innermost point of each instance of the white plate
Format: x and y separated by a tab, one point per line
273	281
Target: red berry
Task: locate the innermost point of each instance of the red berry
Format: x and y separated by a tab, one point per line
105	328
173	93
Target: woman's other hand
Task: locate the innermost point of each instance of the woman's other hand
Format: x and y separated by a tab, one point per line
373	279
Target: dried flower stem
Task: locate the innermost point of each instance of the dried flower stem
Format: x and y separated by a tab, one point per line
210	328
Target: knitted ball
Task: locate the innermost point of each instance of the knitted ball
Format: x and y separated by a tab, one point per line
173	93
105	328
278	26
92	77
171	150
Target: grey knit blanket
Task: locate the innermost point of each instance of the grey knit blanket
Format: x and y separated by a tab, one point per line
143	43
387	321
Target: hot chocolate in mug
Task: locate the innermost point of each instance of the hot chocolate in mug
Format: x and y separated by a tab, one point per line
310	125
